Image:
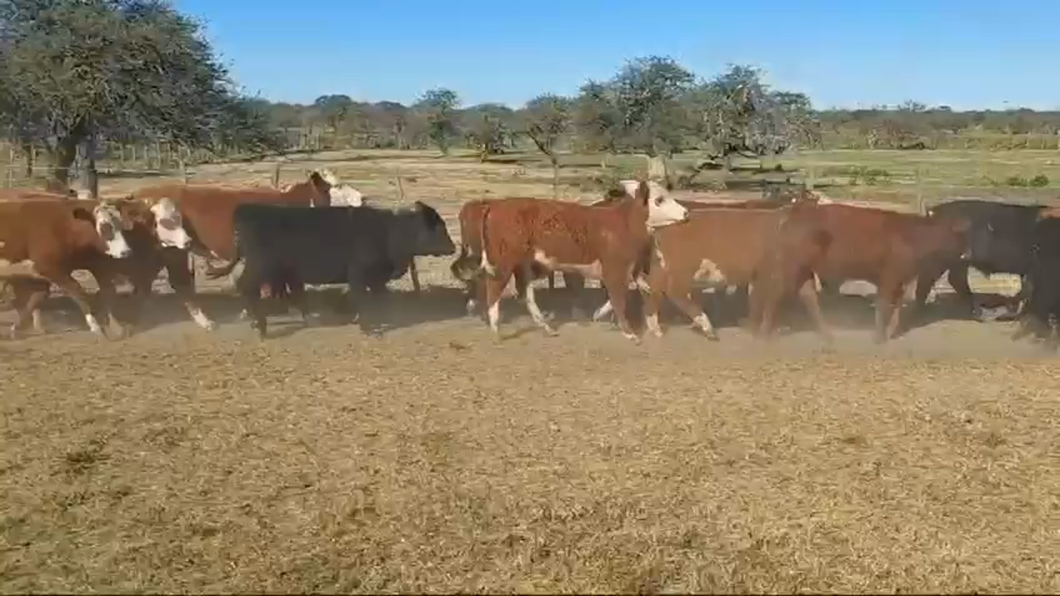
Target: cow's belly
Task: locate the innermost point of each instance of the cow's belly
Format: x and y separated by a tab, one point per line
589	270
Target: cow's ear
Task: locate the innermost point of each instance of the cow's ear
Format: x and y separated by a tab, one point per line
643	192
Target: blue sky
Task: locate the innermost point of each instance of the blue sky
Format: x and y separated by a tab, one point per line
964	53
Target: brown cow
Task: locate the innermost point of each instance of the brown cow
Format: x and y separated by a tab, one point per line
774	250
43	242
601	242
887	249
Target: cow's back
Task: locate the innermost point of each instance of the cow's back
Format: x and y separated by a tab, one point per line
209	209
733	239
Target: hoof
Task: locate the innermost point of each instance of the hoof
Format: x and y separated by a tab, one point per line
712	336
632	337
210	326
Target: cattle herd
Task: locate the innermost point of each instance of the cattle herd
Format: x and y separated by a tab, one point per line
321	231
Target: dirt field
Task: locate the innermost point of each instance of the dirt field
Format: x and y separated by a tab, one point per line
425	456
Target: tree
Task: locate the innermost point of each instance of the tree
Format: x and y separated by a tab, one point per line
546	119
78	70
439	107
335	109
648	93
740	115
488	128
597	119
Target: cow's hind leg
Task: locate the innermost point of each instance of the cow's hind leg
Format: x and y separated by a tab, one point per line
617	284
531	302
250	288
680	294
958	278
34	292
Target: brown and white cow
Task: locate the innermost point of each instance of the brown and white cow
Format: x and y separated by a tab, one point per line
602	242
43	242
774	250
803	197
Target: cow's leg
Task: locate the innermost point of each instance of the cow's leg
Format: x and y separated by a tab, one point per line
494	287
34	294
925	282
250	287
575	285
71	288
415	275
297	297
681	295
182	280
108	299
958	278
808	296
529	299
616	283
652	303
888	303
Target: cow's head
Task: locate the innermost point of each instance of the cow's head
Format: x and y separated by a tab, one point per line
169	224
111	225
431	237
663	210
320	183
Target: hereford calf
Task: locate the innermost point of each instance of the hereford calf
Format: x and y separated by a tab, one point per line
887	249
601	243
43	242
775	250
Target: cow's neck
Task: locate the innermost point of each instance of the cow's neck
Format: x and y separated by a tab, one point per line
635	216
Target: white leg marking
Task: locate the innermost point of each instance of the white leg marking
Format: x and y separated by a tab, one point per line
642	284
244	315
652	322
485	263
201	319
603	311
93	324
535	311
703	321
38	322
471	305
495	317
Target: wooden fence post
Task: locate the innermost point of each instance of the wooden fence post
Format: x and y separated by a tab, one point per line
276	174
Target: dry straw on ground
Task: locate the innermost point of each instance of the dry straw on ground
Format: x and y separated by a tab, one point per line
429	458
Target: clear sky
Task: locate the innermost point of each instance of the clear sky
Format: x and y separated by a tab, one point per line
963	53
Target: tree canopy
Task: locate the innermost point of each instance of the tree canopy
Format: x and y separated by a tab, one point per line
75	70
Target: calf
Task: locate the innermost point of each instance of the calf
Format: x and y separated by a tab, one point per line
887	249
601	242
775	250
1002	242
358	246
43	242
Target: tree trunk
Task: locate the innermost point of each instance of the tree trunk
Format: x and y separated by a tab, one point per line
63	156
29	149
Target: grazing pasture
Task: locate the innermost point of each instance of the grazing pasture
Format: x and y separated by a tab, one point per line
417	453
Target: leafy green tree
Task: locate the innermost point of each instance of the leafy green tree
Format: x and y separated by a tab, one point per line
440	107
648	93
77	70
597	118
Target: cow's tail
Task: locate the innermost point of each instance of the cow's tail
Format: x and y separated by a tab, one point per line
485	265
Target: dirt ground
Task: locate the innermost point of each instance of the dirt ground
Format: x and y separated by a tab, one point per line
421	455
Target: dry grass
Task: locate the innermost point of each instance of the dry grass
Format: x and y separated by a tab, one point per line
430	458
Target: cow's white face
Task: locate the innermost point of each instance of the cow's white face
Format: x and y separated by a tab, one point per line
344	195
329	177
663	209
169	225
109	226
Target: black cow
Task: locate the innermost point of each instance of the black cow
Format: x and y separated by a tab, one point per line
359	246
1000	242
1042	313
